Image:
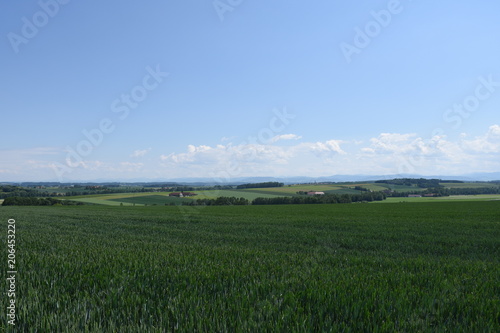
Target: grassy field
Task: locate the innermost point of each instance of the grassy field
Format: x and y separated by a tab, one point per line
151	199
479	197
243	193
162	198
468	185
289	190
128	199
413	267
402	188
327	188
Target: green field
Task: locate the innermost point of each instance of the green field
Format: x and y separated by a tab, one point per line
468	185
129	199
289	190
327	188
402	188
247	194
152	199
479	197
413	267
162	198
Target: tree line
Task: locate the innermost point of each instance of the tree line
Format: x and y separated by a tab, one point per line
321	199
261	185
295	200
28	201
444	192
219	201
16	191
420	182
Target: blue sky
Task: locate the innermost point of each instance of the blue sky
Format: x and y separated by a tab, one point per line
165	89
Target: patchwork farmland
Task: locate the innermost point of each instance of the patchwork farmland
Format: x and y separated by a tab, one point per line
163	198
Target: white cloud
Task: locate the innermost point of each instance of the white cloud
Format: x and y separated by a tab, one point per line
250	153
319	149
412	154
285	137
140	153
487	143
387	153
255	159
368	150
394	142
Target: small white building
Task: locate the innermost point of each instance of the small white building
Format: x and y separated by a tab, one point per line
315	193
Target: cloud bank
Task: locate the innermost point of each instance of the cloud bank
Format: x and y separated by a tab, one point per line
284	155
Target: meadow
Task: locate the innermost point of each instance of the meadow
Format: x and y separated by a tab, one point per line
354	267
162	198
479	197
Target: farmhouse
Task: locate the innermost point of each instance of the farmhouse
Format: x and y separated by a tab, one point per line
414	196
315	193
182	194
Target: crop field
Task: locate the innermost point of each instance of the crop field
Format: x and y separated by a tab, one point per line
128	199
478	197
468	185
151	199
289	190
297	268
162	198
327	188
402	188
372	186
242	193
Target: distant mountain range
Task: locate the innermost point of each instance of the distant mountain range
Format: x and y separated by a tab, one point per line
493	176
342	178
